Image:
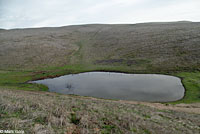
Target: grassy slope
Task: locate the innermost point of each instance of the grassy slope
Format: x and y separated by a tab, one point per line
142	47
167	48
43	112
29	54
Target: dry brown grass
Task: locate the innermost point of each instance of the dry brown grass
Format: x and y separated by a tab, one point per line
141	47
43	112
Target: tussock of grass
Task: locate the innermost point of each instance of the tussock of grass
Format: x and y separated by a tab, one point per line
74	119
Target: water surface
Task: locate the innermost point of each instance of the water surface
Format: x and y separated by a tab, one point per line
139	87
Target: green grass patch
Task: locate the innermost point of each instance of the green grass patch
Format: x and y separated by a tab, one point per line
17	80
74	119
191	82
41	120
107	129
146	131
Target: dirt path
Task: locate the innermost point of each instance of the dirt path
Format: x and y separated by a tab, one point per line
190	108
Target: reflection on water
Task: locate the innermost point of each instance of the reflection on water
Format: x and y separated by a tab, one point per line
140	87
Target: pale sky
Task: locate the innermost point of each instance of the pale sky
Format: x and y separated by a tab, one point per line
54	13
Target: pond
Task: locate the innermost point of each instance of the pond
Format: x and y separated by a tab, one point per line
107	85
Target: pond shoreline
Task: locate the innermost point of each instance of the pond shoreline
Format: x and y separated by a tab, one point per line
147	89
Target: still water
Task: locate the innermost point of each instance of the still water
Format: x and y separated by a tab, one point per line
139	87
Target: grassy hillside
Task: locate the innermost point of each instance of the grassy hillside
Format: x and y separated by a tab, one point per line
141	47
30	54
168	48
49	113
